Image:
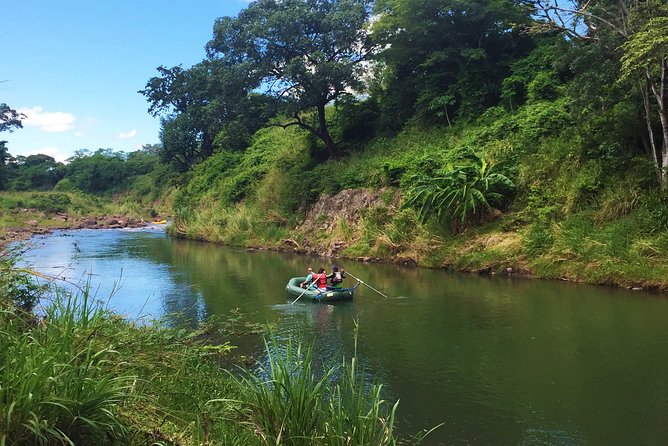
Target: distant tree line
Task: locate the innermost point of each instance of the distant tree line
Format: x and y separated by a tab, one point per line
95	172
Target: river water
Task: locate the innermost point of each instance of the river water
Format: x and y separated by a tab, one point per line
497	361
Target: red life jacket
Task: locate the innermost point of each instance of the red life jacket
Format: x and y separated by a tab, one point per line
320	279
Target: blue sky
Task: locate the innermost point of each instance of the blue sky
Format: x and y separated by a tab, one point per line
74	67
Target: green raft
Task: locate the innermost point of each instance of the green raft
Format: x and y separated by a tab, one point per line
330	295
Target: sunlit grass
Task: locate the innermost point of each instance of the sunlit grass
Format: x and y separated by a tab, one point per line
287	402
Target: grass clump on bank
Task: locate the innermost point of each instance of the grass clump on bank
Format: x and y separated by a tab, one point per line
55	382
288	402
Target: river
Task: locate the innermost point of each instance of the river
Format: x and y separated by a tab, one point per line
498	361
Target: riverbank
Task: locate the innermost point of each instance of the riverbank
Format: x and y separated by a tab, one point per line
371	225
24	214
40	223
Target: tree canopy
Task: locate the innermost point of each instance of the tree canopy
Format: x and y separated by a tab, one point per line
10	119
304	53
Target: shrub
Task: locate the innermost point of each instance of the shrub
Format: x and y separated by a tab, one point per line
462	190
51	202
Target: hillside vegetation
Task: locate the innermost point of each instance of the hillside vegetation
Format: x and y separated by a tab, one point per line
496	136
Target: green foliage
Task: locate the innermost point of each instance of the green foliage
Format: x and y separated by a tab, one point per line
17	286
51	202
33	172
538	238
463	189
10	119
647	48
305	54
445	59
287	402
64	185
538	68
55	387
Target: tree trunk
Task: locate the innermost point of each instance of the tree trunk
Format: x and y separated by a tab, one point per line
658	92
644	91
323	131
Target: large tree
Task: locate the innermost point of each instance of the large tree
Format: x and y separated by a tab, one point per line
636	31
446	57
35	172
10	119
306	53
205	107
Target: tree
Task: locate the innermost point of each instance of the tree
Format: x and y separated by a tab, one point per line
10	119
305	53
97	172
4	172
446	57
645	56
198	104
35	172
641	31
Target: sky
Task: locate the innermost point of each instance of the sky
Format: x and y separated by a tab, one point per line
74	67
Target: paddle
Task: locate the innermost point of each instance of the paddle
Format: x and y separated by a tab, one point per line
307	287
361	281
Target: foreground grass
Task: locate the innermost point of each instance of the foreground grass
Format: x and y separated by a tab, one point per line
81	375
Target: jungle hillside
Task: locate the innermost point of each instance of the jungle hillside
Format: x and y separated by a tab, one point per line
515	137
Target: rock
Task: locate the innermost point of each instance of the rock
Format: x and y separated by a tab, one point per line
290	242
636	288
32	223
111	221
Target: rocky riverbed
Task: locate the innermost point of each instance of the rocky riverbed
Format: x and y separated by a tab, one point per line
45	224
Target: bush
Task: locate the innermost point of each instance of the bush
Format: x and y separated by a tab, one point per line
464	189
64	185
50	202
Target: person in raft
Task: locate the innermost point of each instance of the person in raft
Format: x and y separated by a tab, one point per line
309	278
320	279
336	278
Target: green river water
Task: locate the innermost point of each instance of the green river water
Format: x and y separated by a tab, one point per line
497	361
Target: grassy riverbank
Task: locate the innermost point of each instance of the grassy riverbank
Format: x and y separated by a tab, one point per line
566	220
78	374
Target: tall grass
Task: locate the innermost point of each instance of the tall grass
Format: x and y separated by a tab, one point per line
285	401
55	388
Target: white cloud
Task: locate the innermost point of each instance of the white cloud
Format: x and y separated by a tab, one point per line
52	151
48	121
127	135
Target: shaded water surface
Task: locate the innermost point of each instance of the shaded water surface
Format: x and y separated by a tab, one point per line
498	361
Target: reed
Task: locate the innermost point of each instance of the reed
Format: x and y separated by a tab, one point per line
285	401
55	385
